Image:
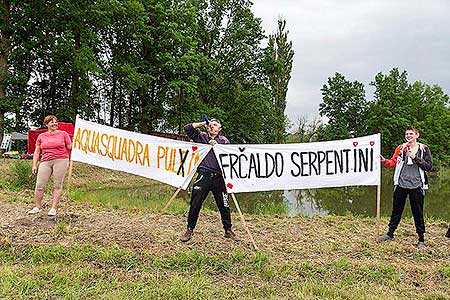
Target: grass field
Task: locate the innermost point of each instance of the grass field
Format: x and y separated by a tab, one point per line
106	244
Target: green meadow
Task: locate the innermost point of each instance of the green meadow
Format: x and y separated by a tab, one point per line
107	244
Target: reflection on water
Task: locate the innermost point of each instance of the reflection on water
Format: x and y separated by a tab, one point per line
341	201
303	202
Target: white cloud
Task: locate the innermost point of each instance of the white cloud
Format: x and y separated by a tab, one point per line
359	39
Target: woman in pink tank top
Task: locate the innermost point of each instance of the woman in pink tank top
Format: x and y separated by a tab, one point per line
52	149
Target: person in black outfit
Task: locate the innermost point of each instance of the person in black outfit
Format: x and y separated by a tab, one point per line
411	161
209	178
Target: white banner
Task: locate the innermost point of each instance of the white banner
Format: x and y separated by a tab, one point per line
251	168
169	161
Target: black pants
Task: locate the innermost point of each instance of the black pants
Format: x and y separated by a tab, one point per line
416	197
205	183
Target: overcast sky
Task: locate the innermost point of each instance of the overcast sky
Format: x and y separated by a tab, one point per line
359	39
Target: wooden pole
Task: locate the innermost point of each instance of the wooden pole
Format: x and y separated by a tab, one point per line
69	182
243	222
69	178
167	204
379	191
378	208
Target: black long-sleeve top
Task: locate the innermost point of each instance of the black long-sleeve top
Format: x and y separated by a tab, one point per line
210	163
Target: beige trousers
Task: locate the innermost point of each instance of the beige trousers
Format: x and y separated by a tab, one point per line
57	167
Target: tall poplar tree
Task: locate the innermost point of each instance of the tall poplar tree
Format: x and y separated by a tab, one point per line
279	59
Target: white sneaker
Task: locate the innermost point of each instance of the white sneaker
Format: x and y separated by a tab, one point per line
52	212
34	211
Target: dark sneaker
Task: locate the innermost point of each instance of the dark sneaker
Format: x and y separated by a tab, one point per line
187	235
229	234
448	233
385	237
421	245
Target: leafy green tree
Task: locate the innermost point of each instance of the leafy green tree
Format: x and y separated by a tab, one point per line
123	72
398	104
390	110
345	106
180	64
433	116
232	82
279	58
5	47
16	37
53	41
141	65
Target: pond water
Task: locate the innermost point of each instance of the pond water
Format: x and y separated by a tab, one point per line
342	201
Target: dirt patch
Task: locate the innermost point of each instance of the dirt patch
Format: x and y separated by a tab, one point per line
284	238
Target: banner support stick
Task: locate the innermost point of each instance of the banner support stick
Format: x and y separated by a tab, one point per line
69	178
163	210
243	221
69	183
379	191
378	208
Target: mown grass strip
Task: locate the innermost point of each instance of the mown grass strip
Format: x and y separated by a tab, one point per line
92	272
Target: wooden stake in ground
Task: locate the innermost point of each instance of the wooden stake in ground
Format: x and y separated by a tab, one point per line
163	210
243	222
69	182
379	194
378	208
69	178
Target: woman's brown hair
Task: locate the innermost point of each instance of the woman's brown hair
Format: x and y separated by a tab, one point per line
48	118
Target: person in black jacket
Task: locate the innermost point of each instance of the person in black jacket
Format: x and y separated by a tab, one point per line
209	178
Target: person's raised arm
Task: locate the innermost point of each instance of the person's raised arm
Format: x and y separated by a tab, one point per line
192	130
390	163
199	124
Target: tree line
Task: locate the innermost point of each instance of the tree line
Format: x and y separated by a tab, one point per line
143	65
155	65
396	104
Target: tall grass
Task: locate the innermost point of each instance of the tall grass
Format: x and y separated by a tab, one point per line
21	174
